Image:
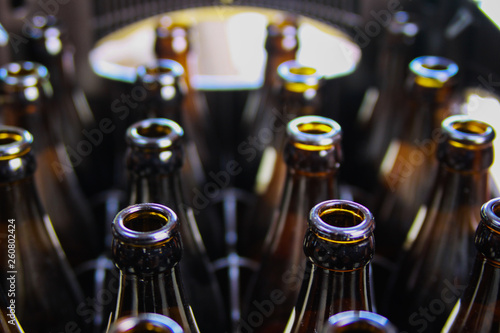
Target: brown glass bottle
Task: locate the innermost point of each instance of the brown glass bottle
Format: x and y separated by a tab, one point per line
313	155
478	308
146	323
262	153
26	91
154	160
281	45
172	42
169	97
48	44
33	268
439	249
406	173
147	248
358	322
339	245
379	117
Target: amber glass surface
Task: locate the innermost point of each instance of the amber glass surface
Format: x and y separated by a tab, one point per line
154	160
313	155
478	310
146	323
339	245
281	45
379	117
147	248
33	268
409	165
265	165
172	41
358	322
26	89
48	44
439	250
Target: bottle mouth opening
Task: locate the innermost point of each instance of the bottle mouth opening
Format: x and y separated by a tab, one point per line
490	213
154	133
314	132
163	71
25	74
359	321
433	71
341	220
146	223
297	77
466	130
14	141
147	322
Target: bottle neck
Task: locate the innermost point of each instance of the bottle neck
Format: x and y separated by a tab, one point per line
154	293
155	187
328	292
426	108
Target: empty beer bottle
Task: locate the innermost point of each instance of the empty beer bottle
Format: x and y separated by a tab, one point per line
154	160
147	249
379	117
35	275
339	245
439	249
172	42
146	323
281	45
313	155
26	91
262	153
168	97
358	322
48	44
478	308
406	173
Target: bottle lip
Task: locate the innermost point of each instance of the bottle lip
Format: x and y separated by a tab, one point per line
327	132
166	324
14	142
361	230
490	213
293	72
172	133
23	74
159	212
468	131
433	71
346	318
162	71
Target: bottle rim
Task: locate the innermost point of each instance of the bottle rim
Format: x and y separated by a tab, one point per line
468	131
156	320
490	213
162	71
172	132
346	318
361	230
23	74
14	142
327	132
293	72
433	71
163	214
